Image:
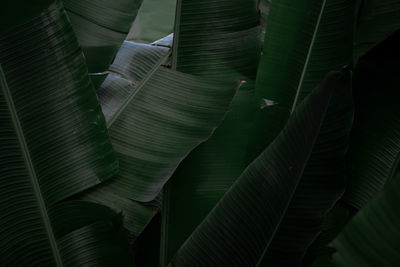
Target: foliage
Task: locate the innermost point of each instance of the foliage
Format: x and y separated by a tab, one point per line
255	133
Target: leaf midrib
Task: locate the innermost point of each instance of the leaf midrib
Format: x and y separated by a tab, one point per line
296	99
140	86
30	168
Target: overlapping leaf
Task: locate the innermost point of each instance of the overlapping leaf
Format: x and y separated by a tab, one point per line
156	116
242	225
54	144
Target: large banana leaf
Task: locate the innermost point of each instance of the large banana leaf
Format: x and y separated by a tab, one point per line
101	27
371	238
156	116
242	225
54	144
154	20
221	40
377	20
375	144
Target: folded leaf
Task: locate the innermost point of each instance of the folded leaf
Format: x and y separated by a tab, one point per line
242	225
53	144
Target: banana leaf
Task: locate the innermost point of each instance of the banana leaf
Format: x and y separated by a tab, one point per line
240	228
297	54
208	44
154	20
375	145
53	144
101	27
377	20
155	116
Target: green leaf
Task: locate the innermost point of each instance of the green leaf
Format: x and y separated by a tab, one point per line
53	144
156	116
209	35
212	167
375	145
154	20
322	184
101	27
371	238
377	20
242	225
297	54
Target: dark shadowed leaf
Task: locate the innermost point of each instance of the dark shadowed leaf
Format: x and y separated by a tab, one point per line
242	225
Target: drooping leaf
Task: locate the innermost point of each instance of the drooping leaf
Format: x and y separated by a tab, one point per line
156	116
54	144
222	40
377	20
155	20
375	143
101	27
242	225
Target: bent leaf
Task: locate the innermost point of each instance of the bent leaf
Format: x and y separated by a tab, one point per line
156	116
